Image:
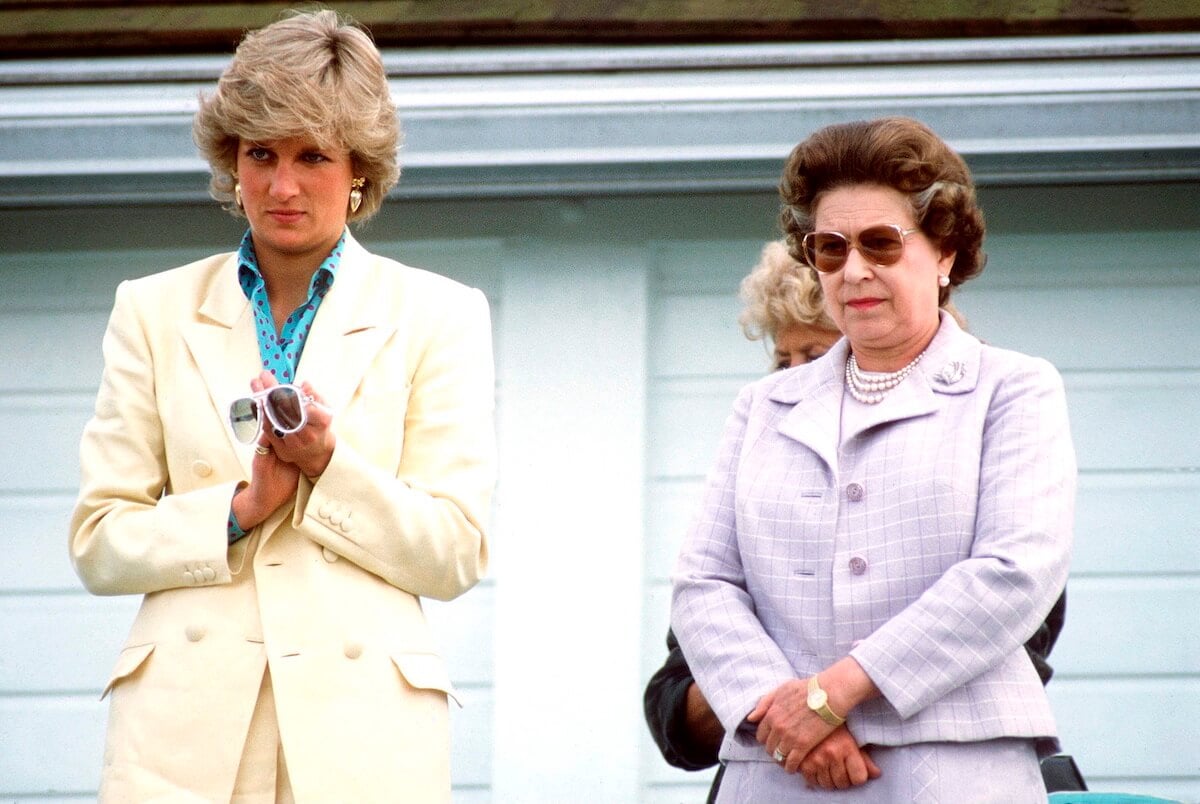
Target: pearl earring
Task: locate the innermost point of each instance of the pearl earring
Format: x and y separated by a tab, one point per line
237	195
356	195
943	281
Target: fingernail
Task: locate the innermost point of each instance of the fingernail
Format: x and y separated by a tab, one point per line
278	433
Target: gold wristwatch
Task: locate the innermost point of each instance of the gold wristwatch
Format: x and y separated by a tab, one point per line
818	701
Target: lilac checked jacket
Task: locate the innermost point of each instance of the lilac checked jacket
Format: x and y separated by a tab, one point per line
927	543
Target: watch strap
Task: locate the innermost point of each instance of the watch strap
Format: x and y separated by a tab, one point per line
823	711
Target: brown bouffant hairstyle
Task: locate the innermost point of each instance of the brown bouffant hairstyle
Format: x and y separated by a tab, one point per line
314	75
895	152
779	293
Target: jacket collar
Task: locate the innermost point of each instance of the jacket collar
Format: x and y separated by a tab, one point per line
950	366
350	327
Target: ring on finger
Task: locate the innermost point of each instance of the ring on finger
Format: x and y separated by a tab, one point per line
261	450
779	756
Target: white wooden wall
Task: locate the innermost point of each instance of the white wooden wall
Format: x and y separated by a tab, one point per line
618	356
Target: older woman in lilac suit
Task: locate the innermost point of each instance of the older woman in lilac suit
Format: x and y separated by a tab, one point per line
886	526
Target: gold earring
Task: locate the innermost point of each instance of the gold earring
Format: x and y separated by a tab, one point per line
356	194
237	195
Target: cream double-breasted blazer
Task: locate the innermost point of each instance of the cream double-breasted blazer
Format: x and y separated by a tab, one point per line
327	591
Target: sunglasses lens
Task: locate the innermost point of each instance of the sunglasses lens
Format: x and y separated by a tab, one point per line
287	411
882	245
243	418
826	251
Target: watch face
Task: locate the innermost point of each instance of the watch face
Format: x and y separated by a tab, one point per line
817	699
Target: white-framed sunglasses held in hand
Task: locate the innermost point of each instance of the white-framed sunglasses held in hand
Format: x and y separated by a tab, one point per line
284	406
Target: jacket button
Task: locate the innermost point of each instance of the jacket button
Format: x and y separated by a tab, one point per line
854	492
347	524
324	510
189	578
329	555
858	565
202	468
209	573
352	650
194	633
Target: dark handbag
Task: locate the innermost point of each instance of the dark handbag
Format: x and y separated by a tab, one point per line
1060	772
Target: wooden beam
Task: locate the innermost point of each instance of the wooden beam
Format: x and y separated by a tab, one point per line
45	28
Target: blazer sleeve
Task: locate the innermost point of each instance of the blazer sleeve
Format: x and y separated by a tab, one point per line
423	527
732	657
127	536
665	702
986	605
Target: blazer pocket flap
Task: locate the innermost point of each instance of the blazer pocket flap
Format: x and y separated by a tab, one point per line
425	671
127	664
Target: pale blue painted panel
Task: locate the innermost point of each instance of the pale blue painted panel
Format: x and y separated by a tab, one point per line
61	643
1127	626
42	453
1093	328
464	631
51	351
1137	523
471	739
83	281
52	744
1131	728
1157	251
473	262
670	506
699	336
35	543
1135	421
716	267
687	417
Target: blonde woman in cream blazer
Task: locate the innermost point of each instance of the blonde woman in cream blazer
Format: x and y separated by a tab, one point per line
887	525
293	663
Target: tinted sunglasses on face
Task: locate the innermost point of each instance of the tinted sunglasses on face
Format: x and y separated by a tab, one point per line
879	245
284	406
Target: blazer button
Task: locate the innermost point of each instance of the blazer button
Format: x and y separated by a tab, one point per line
854	492
858	565
209	573
324	510
194	633
353	650
329	555
189	578
347	524
202	468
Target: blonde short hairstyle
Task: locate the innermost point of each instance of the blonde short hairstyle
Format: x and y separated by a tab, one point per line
780	293
313	75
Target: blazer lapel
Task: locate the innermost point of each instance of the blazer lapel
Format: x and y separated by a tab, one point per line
351	326
815	395
950	366
223	343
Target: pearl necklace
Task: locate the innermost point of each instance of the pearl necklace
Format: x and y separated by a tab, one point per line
872	390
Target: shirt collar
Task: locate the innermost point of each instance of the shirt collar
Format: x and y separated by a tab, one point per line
250	276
